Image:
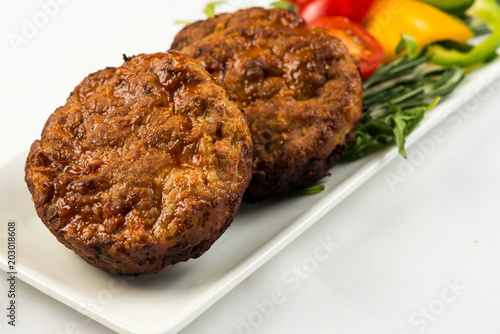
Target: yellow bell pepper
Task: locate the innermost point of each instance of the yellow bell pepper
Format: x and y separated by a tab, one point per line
388	19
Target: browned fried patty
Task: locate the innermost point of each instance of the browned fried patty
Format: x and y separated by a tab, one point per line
298	86
144	166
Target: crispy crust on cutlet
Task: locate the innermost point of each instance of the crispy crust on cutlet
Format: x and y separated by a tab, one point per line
144	166
299	88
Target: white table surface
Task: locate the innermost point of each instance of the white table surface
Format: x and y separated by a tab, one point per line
413	250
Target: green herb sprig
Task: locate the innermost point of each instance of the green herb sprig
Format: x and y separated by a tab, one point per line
210	8
310	190
283	5
397	96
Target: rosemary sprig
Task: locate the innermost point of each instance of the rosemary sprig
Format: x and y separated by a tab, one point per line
397	96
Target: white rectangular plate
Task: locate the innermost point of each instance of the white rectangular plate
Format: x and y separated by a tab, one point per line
167	302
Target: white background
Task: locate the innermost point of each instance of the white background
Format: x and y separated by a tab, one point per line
418	253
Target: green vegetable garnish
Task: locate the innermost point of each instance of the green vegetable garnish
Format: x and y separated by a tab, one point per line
409	44
186	23
284	5
396	97
455	7
487	11
210	8
310	190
